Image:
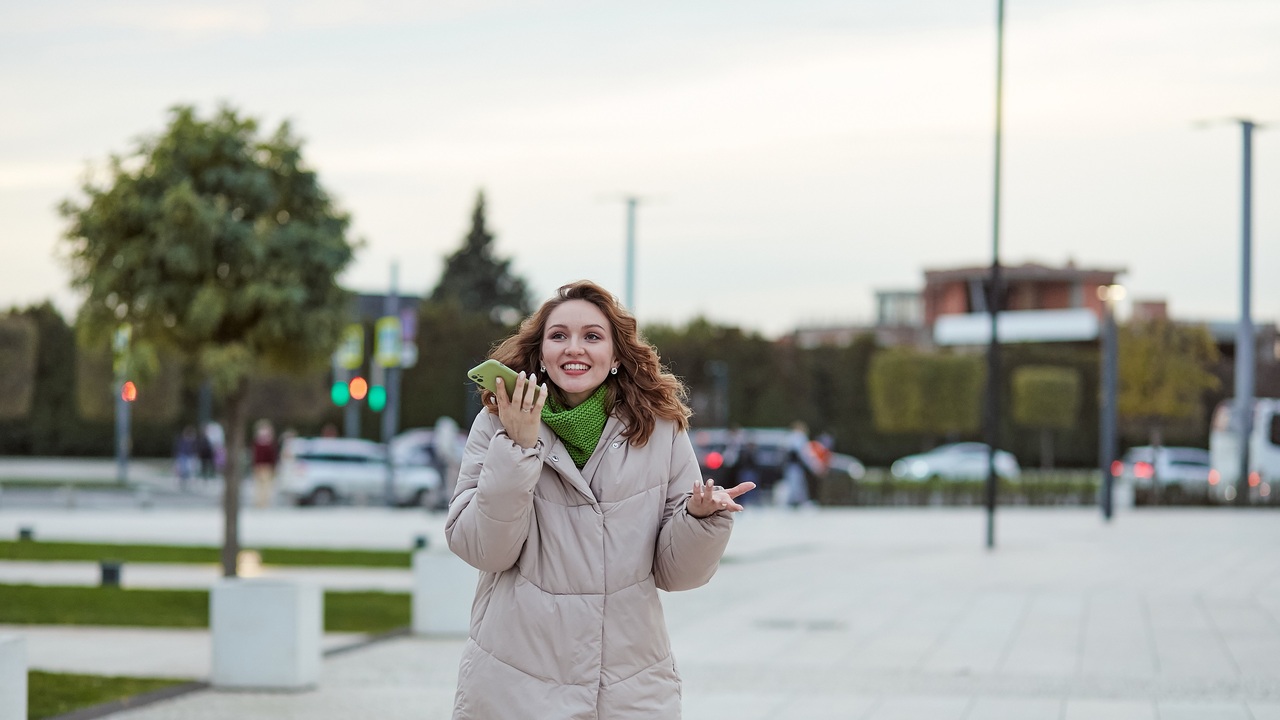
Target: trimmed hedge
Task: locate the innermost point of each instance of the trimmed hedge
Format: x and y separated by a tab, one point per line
878	487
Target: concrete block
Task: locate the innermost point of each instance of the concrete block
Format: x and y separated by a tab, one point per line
13	677
266	633
443	589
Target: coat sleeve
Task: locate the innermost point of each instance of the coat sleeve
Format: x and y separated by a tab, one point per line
689	548
492	508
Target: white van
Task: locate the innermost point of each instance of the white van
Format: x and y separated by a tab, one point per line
1264	452
324	471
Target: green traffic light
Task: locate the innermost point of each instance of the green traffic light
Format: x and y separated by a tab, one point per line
340	394
377	398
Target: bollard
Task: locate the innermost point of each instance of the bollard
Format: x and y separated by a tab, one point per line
109	573
13	677
266	633
420	542
26	532
443	589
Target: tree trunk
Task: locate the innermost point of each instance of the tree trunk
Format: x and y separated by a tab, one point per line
236	409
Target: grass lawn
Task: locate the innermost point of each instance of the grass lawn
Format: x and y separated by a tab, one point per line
94	552
360	612
52	694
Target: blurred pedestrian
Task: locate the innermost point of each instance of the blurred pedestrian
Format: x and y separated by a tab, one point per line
264	462
579	499
218	444
796	468
184	455
204	451
448	454
744	467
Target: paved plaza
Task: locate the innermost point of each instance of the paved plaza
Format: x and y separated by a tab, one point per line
868	614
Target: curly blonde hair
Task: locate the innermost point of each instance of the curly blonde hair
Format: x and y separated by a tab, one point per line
640	393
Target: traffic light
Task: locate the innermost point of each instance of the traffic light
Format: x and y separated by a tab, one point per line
128	391
340	394
377	398
359	387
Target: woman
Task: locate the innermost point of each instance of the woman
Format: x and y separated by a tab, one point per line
578	499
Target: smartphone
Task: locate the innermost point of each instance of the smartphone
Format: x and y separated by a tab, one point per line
486	373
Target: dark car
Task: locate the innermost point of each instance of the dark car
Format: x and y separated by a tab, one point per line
711	445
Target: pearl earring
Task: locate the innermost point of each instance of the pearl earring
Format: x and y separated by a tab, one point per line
614	371
542	368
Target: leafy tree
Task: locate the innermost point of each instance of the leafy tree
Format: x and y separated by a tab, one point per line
914	392
477	281
1047	398
220	243
1164	371
18	340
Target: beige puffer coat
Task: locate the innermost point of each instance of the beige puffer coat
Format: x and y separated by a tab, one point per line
566	622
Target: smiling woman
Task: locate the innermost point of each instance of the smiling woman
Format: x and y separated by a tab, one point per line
579	499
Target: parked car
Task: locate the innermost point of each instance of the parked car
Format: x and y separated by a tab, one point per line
955	461
324	471
711	445
1182	473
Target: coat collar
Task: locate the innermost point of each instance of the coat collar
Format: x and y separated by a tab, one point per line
557	457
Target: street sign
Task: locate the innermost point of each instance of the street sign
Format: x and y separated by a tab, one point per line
351	352
386	341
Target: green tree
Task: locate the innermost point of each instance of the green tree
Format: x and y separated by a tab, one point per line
1164	371
478	281
1047	398
219	242
18	342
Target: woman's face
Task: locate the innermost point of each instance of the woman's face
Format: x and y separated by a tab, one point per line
577	349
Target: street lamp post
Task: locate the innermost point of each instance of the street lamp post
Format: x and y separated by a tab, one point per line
632	201
1244	331
995	295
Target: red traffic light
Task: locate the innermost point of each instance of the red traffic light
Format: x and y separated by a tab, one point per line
128	391
359	388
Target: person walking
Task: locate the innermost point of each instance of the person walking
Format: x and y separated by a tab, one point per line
185	452
797	466
579	499
264	463
217	444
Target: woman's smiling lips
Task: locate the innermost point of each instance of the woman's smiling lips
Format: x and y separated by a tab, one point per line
575	368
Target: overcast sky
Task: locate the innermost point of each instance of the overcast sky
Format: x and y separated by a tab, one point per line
793	157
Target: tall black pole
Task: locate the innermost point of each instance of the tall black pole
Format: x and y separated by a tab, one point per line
1245	352
1107	404
995	295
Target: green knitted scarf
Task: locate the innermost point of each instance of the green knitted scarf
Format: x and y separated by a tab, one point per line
579	427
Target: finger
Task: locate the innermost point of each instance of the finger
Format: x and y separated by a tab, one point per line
541	400
500	397
531	391
741	488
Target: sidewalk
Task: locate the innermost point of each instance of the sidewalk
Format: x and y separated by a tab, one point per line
884	614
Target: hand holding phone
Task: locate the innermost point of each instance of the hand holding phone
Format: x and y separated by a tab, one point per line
522	418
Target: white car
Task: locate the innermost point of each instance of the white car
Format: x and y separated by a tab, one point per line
956	461
324	471
1182	472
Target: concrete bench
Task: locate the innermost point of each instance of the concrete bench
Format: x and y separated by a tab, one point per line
443	588
13	677
266	633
